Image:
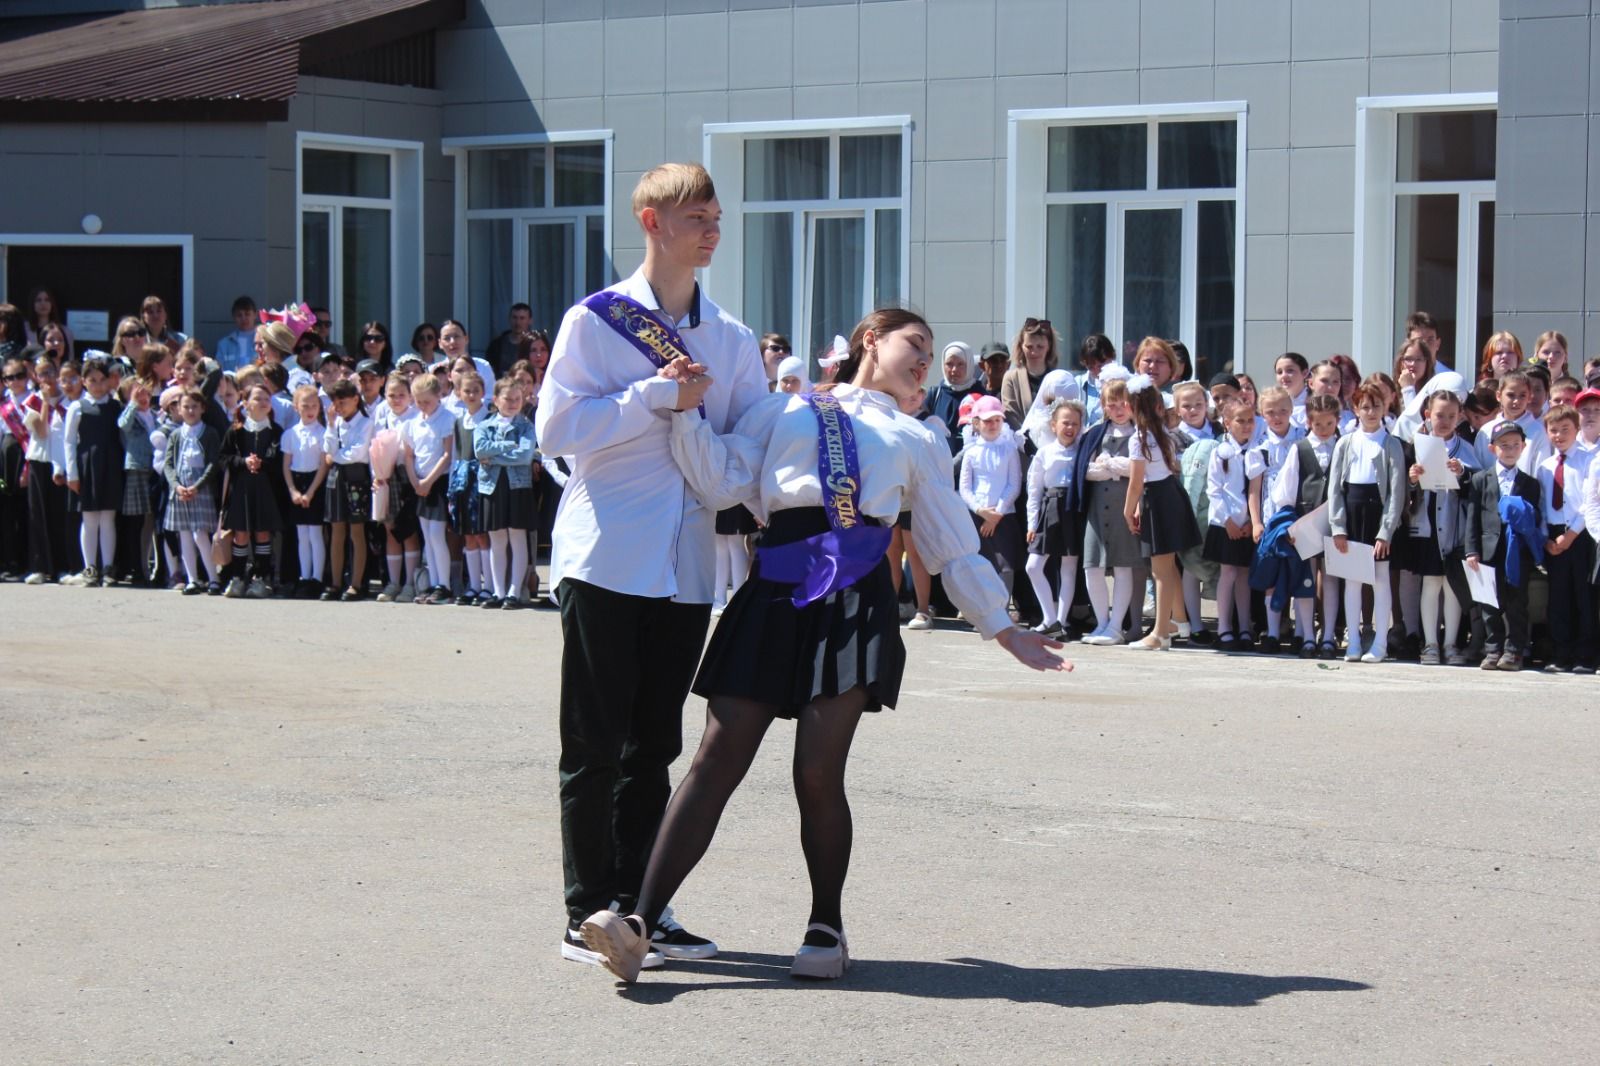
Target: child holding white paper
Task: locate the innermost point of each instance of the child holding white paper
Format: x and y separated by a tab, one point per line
1366	500
1235	469
1436	528
1510	549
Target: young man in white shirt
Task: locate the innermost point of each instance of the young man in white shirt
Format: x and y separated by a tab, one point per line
633	559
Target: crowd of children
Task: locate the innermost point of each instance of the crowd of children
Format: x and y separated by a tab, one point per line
1400	516
275	479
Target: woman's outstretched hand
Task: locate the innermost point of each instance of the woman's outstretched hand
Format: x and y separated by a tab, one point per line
1033	649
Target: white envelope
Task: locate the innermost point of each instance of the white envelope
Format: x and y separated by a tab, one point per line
1480	583
1433	458
1356	564
1309	531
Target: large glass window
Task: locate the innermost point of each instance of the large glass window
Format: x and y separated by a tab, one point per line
1444	227
1140	234
535	232
347	237
823	220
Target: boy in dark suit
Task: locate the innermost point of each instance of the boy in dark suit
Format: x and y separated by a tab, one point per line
1488	542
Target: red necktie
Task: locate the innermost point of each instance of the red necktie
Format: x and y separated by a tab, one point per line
1558	494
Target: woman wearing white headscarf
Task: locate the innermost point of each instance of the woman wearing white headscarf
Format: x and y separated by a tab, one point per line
961	379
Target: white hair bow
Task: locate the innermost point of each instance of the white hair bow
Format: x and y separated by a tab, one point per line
1138	383
841	352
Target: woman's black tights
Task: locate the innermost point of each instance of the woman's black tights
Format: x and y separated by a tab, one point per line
734	729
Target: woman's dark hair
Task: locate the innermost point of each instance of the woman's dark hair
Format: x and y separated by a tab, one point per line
1150	419
1185	361
55	308
1429	365
385	360
1296	358
1037	327
149	356
418	332
1096	347
456	322
884	320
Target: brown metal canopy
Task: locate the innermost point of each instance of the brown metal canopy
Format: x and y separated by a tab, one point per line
235	61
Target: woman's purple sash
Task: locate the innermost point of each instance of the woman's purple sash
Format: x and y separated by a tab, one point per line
848	552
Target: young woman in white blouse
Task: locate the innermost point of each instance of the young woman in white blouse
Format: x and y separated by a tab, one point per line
839	654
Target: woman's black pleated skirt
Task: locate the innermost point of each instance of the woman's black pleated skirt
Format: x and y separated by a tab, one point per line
312	515
1166	521
1363	508
1060	530
768	650
736	521
348	492
1225	551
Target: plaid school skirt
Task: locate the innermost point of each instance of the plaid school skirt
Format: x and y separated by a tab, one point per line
189	516
136	497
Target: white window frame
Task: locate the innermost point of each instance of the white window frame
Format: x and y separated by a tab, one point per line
1027	203
458	149
1374	311
404	204
182	241
724	159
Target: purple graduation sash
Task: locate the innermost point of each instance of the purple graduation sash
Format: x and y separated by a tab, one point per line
657	341
848	552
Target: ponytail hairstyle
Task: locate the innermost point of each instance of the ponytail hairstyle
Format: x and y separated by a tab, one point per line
881	322
1150	416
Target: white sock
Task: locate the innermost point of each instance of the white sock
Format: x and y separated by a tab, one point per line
89	537
202	541
1069	587
1094	581
1302	618
1332	591
484	584
413	558
1121	594
1041	588
396	574
191	565
474	574
519	561
1225	582
497	562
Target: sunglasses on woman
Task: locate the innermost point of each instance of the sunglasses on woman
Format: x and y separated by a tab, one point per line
373	338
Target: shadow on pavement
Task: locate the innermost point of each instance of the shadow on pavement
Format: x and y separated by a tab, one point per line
984	979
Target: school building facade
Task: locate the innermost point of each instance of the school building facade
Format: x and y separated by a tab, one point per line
1251	176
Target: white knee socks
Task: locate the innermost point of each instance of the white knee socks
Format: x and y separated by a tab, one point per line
474	571
1432	589
1094	582
497	562
1121	595
1382	606
98	533
1191	600
313	552
519	562
437	551
1041	589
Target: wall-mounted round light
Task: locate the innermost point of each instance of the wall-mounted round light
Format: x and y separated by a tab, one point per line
91	224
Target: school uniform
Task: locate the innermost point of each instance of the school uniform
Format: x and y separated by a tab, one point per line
47	501
1167	523
465	501
504	484
1275	451
401	515
429	436
348	489
193	460
1571	610
304	444
1054	514
94	453
1507	625
1534	452
14	439
991	478
1367	487
1228	475
138	462
1436	521
1107	541
252	504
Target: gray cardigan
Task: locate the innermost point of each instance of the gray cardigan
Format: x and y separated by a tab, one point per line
1391	483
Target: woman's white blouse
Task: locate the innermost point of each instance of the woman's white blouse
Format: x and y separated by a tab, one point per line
1226	488
769	463
1051	469
1366	452
347	442
304	442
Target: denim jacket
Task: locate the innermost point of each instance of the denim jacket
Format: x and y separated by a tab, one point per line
504	445
137	451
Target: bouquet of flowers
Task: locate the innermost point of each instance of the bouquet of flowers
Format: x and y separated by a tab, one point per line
382	454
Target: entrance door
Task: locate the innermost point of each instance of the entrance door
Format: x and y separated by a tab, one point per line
1150	288
111	279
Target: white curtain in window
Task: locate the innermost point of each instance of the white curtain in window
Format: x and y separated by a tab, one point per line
551	275
838	274
489	271
769	272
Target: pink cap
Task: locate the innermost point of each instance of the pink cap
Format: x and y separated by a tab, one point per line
986	408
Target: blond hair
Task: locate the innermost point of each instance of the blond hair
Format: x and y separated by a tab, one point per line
426	384
673	185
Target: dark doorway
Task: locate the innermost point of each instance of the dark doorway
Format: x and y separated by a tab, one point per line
105	278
